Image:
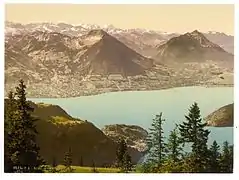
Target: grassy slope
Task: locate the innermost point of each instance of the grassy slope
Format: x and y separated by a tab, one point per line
79	169
58	132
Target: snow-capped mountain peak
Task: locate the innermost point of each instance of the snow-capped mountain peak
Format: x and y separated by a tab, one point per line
136	38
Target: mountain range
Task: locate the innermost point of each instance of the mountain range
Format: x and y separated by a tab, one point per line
194	47
93	60
137	39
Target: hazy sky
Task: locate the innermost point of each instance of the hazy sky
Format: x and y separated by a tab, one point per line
170	18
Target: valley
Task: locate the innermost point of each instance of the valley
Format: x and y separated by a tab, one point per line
127	89
54	63
71	86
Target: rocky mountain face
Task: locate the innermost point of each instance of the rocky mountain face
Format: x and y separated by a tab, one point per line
193	47
135	136
58	131
222	117
54	62
110	56
225	41
141	40
42	55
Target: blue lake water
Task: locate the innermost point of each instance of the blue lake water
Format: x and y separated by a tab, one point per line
140	107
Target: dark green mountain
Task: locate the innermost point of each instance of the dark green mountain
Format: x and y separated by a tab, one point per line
58	131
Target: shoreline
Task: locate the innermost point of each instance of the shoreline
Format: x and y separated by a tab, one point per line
162	89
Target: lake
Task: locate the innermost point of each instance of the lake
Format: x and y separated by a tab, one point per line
140	107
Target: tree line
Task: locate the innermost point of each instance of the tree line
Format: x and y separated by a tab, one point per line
170	156
21	152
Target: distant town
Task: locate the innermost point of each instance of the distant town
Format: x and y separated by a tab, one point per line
191	74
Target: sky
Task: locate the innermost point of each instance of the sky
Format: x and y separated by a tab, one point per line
168	18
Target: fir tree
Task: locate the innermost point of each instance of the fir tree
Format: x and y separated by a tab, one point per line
29	157
187	163
214	166
231	158
127	163
174	153
120	152
9	111
174	148
68	160
193	131
226	160
155	142
22	135
123	159
146	167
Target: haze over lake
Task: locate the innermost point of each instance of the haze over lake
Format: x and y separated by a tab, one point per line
140	107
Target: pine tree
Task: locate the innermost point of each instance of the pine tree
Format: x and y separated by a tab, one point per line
120	152
22	134
123	159
174	153
155	142
193	131
68	160
146	167
231	158
9	110
174	148
187	162
29	156
127	165
226	160
214	166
